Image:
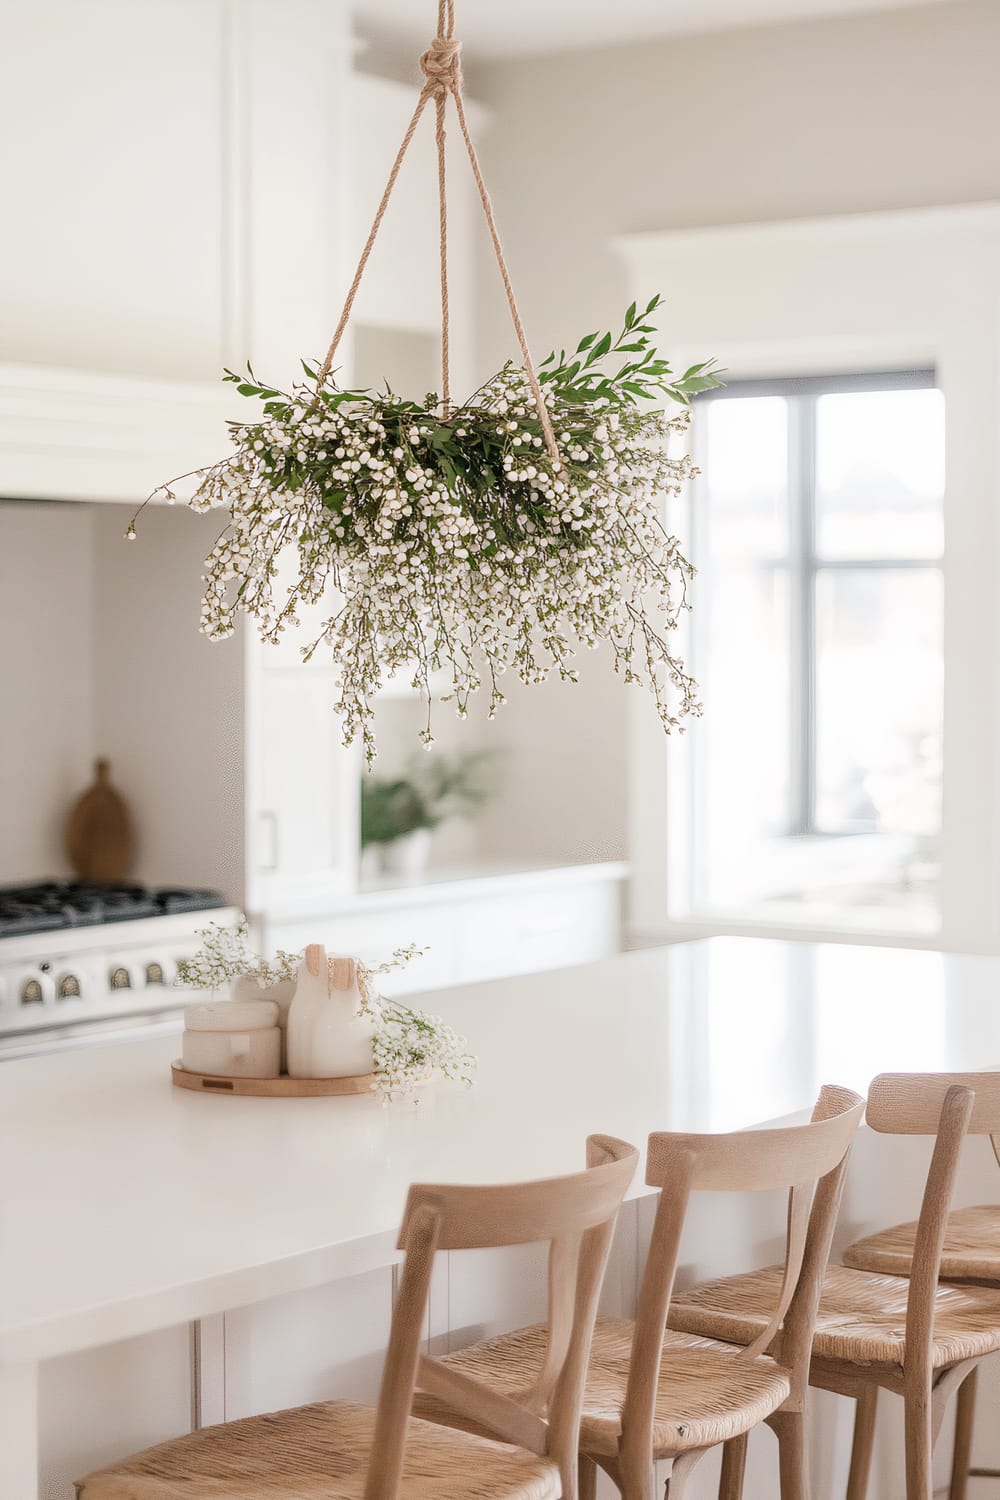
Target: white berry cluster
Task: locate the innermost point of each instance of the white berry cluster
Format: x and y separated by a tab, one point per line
410	1046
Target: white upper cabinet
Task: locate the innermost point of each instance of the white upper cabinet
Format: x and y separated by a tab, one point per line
115	250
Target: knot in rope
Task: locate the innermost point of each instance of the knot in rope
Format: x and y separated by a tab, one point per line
442	68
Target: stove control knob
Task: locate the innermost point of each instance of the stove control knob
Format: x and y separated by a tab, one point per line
32	992
120	978
155	974
68	987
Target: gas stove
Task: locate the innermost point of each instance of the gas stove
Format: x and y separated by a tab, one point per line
85	962
54	905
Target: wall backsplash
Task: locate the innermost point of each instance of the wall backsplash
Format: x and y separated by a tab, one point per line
47	679
100	655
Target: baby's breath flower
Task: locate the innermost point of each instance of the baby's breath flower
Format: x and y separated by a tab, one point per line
457	545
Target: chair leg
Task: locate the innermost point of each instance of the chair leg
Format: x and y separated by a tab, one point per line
919	1443
793	1462
587	1481
965	1414
680	1473
734	1463
861	1447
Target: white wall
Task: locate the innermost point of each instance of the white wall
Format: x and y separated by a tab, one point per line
844	115
47	679
169	702
84	618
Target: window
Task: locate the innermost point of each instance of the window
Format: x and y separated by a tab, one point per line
817	641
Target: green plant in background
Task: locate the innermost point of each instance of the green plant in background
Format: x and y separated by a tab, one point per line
433	790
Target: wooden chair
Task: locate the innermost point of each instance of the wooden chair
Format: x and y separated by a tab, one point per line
914	1337
336	1451
971	1257
653	1395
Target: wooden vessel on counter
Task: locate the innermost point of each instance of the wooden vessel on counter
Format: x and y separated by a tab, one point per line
272	1088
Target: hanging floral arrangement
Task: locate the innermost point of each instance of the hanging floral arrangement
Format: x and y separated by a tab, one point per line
500	535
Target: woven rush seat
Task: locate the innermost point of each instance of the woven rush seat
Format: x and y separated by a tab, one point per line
862	1316
705	1394
971	1247
321	1452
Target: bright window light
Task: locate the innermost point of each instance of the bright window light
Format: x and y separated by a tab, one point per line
817	640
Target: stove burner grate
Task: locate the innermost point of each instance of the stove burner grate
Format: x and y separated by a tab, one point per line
53	904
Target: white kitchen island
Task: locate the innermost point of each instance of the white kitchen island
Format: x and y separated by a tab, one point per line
170	1257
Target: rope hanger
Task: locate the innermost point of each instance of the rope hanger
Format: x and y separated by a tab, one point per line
442	70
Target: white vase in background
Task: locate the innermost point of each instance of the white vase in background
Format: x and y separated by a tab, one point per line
407	856
328	1036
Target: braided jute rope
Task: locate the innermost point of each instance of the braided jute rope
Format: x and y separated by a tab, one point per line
441	66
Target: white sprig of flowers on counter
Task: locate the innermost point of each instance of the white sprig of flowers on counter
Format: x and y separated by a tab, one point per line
408	1045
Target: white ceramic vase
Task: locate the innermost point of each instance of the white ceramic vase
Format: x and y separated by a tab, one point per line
328	1036
407	856
232	1038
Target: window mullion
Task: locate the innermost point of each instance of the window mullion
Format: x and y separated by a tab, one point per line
802	581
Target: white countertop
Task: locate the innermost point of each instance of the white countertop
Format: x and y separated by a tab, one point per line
129	1205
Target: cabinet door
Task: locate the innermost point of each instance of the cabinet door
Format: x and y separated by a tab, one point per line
323	1344
540	927
302	796
102	1404
373	935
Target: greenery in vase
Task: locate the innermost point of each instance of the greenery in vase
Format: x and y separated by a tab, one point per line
433	790
454	542
408	1046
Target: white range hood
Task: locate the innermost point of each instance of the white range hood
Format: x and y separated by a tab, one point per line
75	435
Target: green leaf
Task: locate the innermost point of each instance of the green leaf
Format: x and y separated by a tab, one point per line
585	343
600	349
630	316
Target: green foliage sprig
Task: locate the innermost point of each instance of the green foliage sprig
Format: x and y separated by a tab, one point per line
431	791
584	377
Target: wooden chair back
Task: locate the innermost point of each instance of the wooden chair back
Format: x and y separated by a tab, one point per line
949	1106
810	1162
576	1216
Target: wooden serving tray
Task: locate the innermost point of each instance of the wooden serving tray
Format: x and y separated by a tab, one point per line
272	1088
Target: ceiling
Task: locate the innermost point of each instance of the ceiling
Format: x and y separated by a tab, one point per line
508	28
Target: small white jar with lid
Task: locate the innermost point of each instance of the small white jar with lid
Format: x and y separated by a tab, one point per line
232	1039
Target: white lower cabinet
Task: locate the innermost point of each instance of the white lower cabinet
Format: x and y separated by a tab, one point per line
318	1345
481	927
97	1406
